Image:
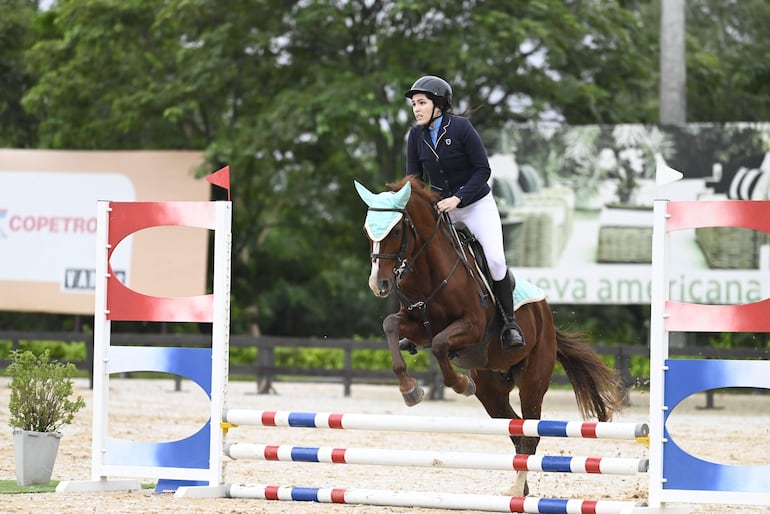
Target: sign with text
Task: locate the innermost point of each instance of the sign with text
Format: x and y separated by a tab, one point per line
48	226
576	205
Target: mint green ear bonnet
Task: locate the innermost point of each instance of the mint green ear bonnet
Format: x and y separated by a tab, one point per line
378	224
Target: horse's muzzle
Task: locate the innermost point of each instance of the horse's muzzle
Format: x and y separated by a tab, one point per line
381	287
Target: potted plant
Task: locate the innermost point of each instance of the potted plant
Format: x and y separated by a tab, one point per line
40	403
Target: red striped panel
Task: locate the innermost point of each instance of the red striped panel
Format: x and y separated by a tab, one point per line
696	317
271	492
718	213
588	429
271	452
129	217
338	455
588	507
593	464
516	504
338	495
335	420
268	418
520	462
126	304
515	427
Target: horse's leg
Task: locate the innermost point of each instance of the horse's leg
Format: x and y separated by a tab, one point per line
533	383
493	390
459	382
412	392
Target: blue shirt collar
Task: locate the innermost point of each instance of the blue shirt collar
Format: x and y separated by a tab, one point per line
434	129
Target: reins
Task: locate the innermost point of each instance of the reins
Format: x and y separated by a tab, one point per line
405	265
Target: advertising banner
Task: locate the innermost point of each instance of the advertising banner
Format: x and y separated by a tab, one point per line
577	201
48	226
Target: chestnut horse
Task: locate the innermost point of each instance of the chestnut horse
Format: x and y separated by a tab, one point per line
446	305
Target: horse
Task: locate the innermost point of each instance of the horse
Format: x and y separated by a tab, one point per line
446	305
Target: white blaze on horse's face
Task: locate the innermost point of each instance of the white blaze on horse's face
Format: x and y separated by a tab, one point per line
375	271
386	210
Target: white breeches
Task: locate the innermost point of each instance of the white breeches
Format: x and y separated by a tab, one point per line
483	219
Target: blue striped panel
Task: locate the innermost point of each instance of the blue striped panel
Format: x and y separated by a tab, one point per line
552	428
304	454
556	463
302	419
552	506
304	494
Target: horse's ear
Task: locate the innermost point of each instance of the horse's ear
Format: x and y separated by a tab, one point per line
366	195
402	195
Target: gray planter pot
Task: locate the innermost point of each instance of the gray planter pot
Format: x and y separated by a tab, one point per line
35	454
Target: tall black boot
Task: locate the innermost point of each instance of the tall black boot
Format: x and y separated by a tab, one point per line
511	336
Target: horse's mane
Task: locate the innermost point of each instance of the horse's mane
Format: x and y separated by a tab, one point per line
418	187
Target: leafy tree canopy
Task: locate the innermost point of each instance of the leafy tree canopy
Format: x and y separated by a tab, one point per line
302	97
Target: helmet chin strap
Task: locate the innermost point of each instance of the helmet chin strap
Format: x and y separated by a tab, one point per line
433	115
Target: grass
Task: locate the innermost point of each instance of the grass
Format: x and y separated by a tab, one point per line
11	487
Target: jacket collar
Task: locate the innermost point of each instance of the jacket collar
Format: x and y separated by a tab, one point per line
445	123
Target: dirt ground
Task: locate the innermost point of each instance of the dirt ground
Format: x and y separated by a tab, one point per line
736	432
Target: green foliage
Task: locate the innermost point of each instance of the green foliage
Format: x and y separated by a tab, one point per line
58	350
72	352
639	366
41	392
735	340
605	323
243	355
309	357
723	340
12	487
335	358
380	359
727	60
300	108
17	19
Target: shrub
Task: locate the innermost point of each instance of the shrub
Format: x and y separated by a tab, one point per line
41	392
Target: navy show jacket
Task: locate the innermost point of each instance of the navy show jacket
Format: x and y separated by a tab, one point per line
457	166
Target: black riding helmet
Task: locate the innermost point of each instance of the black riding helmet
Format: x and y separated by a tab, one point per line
436	88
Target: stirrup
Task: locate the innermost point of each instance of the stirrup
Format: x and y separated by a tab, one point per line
406	345
511	336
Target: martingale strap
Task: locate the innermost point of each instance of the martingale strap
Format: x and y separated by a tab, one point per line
460	244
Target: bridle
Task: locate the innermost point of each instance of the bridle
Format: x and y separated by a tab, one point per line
404	265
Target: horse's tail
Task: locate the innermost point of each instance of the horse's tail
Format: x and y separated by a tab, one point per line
598	388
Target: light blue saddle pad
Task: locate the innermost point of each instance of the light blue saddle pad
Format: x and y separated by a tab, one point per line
526	292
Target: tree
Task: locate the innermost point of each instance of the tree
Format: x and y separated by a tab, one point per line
728	60
17	33
300	108
302	97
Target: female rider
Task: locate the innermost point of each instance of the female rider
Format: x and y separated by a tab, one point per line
448	150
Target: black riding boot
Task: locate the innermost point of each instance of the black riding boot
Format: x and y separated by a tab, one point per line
511	336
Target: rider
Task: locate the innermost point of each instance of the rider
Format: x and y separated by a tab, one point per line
446	149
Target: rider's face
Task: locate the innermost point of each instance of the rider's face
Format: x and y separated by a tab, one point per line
424	109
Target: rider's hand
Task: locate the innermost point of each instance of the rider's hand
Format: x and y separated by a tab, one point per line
447	204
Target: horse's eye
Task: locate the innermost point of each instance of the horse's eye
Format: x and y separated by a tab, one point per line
395	232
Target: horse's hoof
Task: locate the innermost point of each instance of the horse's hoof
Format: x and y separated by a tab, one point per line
414	395
470	389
